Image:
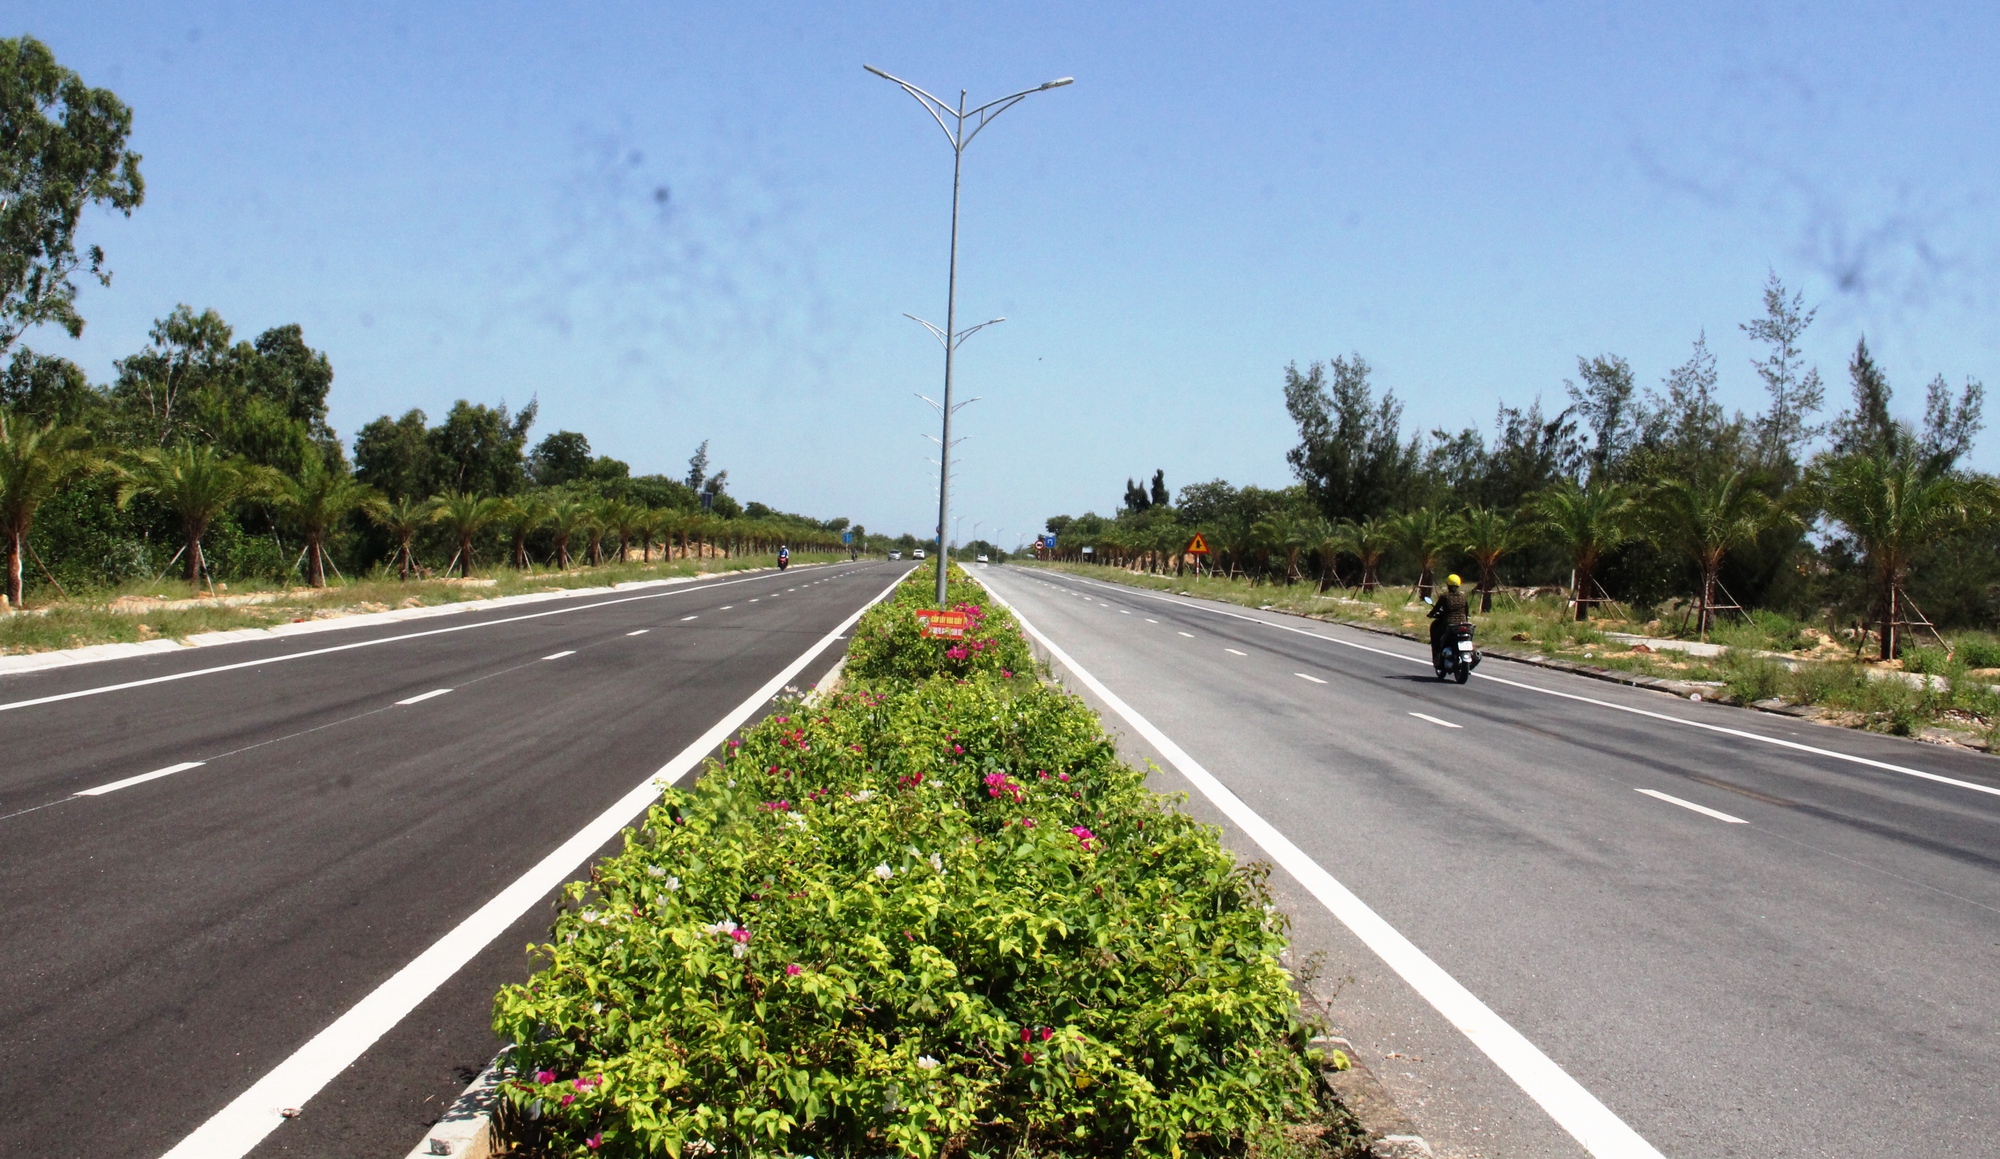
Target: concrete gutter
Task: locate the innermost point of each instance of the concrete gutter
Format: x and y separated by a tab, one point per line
465	1131
1391	1133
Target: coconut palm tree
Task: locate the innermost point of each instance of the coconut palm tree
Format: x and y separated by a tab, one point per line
35	463
1894	507
1426	535
1486	535
197	485
402	519
568	518
522	516
1705	517
464	516
1367	541
316	501
1587	521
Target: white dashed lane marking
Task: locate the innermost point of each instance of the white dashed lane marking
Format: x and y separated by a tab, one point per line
640	632
1435	720
155	775
1702	809
1234	652
560	655
1314	679
420	697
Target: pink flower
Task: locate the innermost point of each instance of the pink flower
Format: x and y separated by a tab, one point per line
1063	777
793	970
1085	836
1027	1059
1006	675
740	935
1027	1035
1047	1034
545	1076
736	744
1027	822
595	1141
957	748
568	1099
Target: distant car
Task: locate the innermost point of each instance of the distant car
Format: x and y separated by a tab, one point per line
917	554
982	559
895	555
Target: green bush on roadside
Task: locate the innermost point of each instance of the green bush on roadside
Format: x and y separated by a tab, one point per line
918	918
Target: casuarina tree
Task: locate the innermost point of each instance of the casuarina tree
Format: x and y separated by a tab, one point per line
62	149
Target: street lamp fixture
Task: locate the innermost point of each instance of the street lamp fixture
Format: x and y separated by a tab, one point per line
960	126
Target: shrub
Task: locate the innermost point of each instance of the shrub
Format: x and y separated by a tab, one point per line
1752	678
916	918
1979	653
1927	661
889	643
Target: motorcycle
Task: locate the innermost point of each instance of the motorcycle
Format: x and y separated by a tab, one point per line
1455	656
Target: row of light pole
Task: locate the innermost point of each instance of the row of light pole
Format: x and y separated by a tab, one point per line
960	126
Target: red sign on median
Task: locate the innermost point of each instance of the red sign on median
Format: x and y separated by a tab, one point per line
943	625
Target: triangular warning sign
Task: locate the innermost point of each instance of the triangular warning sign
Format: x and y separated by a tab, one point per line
1199	546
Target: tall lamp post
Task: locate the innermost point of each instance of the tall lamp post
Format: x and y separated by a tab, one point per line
959	134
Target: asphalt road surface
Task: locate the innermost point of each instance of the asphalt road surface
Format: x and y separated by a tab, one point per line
169	942
1732	947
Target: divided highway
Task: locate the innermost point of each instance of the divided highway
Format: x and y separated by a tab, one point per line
1729	933
208	857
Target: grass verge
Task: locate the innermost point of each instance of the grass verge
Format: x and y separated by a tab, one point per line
930	914
152	611
1767	658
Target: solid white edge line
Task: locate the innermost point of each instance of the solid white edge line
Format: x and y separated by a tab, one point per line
1574	1108
1435	720
1314	679
155	775
281	658
561	654
1703	725
420	697
237	1128
1718	814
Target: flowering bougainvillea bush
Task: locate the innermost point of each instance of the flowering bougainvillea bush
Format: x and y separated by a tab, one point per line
889	642
929	918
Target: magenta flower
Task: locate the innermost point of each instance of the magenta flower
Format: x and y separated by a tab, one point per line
595	1141
1047	1034
1027	1035
1063	777
793	970
545	1076
740	935
1027	822
957	748
568	1099
736	744
1084	836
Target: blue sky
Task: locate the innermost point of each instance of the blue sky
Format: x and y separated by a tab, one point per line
464	201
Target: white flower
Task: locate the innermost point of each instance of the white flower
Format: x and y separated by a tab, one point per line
740	949
865	795
937	862
732	782
673	884
926	1062
725	926
883	871
797	820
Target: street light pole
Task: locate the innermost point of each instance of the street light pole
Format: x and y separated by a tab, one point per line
958	134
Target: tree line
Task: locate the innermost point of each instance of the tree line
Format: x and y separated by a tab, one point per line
212	454
1628	495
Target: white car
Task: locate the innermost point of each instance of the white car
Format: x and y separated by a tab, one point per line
982	559
895	555
917	554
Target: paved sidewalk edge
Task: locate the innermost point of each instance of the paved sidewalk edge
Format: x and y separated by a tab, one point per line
1391	1132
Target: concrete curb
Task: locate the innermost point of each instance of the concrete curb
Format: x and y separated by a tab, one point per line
1391	1133
97	653
465	1130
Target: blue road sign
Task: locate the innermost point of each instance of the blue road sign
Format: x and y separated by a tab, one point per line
847	537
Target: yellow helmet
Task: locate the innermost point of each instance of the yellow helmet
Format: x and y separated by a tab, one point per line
1452	579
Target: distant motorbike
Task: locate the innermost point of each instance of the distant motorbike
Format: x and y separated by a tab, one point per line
784	559
1455	656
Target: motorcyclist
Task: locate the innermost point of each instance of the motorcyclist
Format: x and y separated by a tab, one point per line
1452	607
784	557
